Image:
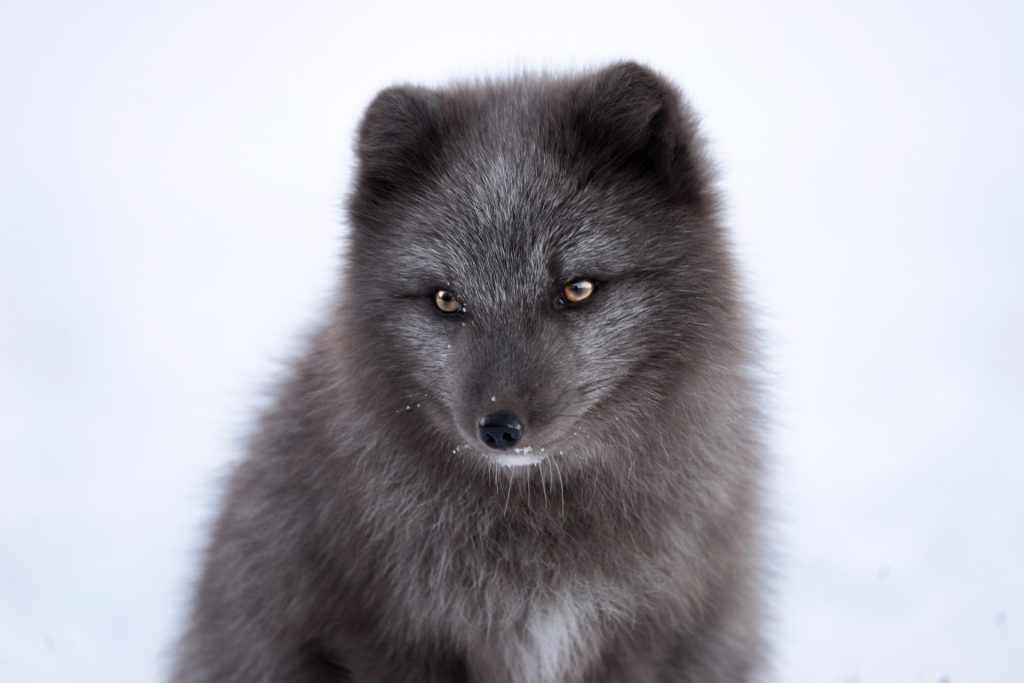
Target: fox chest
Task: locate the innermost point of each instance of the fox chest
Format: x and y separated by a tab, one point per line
551	644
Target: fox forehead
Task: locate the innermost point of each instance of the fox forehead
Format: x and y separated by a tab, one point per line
500	265
465	238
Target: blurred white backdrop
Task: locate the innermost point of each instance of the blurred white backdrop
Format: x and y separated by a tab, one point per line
170	183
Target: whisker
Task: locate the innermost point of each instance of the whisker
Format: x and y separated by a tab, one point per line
561	485
508	496
543	484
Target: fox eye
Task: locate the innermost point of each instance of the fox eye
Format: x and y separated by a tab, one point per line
446	302
578	291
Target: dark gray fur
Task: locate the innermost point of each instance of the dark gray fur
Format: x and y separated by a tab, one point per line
368	535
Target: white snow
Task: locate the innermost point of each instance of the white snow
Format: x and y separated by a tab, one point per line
519	457
169	221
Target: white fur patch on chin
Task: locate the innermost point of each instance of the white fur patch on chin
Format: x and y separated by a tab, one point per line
519	457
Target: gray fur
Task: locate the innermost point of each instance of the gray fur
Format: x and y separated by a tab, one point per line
369	536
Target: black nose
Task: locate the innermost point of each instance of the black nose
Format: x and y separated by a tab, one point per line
500	430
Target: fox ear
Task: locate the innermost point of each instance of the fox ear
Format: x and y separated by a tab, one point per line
627	118
399	141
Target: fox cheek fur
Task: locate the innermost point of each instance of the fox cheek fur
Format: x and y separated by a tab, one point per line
468	477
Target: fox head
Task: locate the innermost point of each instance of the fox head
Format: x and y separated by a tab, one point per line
535	267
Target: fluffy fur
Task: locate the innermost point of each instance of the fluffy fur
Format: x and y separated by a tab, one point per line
370	536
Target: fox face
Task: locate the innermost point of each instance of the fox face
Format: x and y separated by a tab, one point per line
526	255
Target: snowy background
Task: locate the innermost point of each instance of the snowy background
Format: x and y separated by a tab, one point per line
170	179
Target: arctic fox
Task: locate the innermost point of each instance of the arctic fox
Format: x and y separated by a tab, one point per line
525	446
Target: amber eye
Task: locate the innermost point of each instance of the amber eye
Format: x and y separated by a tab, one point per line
578	291
446	301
